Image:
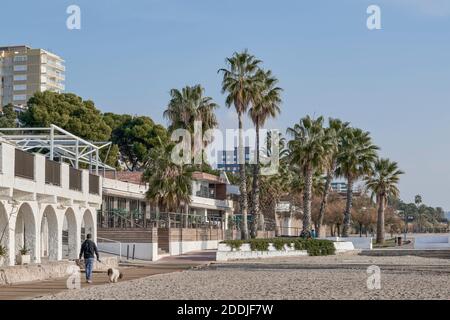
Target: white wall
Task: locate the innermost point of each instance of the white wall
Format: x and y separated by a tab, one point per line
180	247
224	253
358	242
432	242
143	251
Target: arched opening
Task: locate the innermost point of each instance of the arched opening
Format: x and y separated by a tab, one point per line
87	225
4	232
25	231
69	235
49	234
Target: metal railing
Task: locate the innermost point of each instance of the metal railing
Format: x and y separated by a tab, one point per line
75	179
183	220
125	219
94	184
122	218
281	231
24	164
52	172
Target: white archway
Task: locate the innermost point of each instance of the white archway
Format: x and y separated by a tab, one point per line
87	225
4	231
70	243
49	234
25	231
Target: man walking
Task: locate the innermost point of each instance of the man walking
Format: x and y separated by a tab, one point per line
88	249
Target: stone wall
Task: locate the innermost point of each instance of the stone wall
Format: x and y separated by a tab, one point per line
46	271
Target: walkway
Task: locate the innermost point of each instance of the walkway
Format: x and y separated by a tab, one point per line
131	271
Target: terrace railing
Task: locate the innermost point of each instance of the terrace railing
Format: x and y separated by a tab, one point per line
123	219
24	164
94	184
75	179
52	172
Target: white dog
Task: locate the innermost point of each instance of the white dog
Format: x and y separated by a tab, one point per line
114	275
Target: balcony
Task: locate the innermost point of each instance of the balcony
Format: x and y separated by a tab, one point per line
209	203
25	176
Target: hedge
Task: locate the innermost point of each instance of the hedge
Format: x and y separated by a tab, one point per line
314	247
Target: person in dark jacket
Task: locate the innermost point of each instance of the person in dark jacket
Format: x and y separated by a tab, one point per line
88	250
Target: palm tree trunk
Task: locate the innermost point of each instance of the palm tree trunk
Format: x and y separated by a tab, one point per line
348	208
380	222
243	182
255	194
323	204
186	214
307	198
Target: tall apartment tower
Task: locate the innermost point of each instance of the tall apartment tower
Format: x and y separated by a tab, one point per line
24	71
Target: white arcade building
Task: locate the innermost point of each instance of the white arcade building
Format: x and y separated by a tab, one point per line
47	206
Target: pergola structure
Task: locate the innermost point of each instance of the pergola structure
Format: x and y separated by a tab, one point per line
57	143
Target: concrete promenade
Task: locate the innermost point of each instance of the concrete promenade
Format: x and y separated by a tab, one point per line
132	270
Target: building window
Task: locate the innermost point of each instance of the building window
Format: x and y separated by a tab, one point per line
20	67
19	97
20	58
20	77
20	87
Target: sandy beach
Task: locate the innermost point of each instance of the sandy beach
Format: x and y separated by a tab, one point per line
332	277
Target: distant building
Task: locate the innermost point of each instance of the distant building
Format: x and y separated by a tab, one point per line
339	187
24	71
228	159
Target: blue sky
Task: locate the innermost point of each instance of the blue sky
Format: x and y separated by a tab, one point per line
393	82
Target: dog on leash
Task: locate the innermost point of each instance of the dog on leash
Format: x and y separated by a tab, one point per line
114	275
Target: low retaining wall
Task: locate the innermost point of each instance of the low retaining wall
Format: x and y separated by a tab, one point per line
432	242
358	242
46	271
225	253
180	247
142	251
343	246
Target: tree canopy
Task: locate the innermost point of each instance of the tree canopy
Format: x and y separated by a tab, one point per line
8	117
135	137
68	111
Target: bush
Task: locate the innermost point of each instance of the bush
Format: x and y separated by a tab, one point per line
279	244
3	251
233	244
259	244
24	250
314	247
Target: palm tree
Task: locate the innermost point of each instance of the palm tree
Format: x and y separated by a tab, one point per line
170	185
418	200
309	149
188	106
240	81
383	182
335	132
266	105
354	161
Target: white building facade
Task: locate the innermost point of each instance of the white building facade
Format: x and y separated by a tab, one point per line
46	207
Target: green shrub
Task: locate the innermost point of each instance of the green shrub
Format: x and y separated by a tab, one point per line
259	244
279	243
234	244
3	251
314	247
